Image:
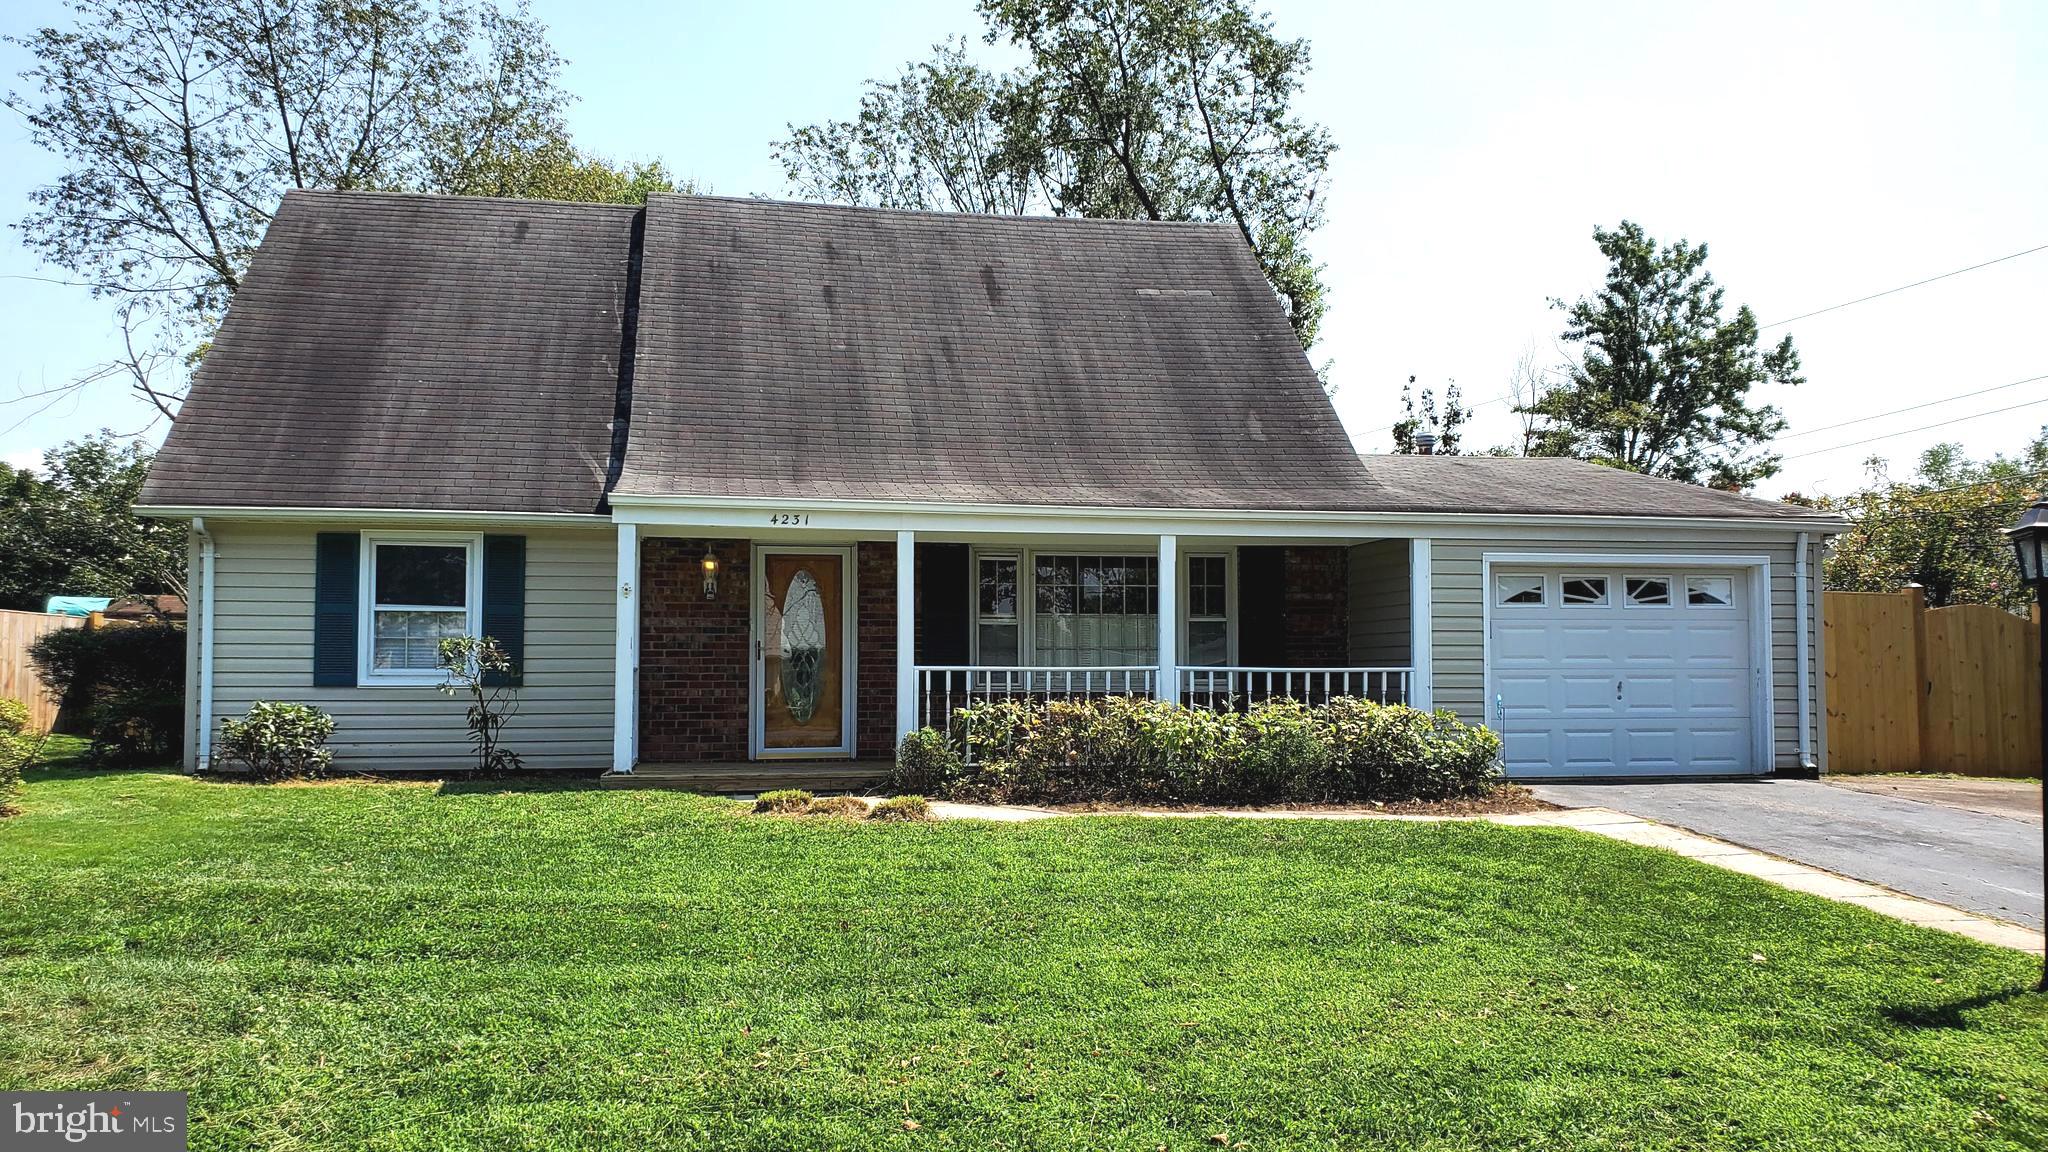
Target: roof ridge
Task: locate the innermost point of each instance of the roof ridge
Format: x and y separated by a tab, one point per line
1006	217
456	198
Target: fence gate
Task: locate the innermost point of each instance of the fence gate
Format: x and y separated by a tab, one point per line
1914	689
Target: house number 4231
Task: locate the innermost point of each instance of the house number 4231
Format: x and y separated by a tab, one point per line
789	519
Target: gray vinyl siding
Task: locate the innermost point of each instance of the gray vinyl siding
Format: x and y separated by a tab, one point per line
263	650
1458	631
1379	596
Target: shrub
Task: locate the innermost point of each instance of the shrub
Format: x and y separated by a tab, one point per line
925	762
277	741
1134	750
127	682
901	808
480	669
849	806
18	745
784	801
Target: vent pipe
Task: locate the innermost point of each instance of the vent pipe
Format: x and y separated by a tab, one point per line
1425	444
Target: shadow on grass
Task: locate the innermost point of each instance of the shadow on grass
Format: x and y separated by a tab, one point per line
1950	1016
551	781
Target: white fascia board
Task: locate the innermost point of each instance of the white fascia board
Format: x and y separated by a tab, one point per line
377	516
888	517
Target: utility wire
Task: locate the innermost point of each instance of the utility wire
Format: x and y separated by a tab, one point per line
1912	408
1910	431
1900	288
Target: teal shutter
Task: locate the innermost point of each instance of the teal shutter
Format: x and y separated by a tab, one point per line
504	613
337	587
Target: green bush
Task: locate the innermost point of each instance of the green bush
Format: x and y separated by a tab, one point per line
784	801
127	682
1134	750
18	745
925	762
277	741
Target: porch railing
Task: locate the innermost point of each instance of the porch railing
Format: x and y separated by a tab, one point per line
943	687
1235	689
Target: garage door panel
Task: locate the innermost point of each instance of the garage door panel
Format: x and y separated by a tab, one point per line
1684	672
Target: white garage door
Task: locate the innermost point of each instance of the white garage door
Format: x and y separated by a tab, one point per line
1623	671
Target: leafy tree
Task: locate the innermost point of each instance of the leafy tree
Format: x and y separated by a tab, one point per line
73	531
183	122
1940	529
557	171
1444	425
1663	383
1129	109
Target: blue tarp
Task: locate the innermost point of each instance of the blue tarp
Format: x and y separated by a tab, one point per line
77	605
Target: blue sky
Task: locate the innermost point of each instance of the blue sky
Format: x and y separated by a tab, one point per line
1825	152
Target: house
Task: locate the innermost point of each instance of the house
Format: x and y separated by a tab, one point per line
736	480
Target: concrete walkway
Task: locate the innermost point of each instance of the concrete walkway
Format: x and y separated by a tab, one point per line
1634	830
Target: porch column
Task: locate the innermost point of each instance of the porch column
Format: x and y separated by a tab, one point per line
626	654
906	635
1421	625
1169	618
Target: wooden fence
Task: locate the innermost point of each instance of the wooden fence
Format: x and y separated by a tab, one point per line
17	678
1918	689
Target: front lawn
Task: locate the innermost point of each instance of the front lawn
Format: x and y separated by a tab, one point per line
409	966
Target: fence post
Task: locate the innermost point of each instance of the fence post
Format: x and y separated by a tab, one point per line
1923	686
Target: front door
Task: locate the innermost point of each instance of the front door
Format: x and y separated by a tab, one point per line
802	700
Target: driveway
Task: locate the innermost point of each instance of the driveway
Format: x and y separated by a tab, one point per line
1937	844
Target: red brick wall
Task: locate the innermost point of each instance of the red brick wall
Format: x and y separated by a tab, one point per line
693	652
1314	607
875	656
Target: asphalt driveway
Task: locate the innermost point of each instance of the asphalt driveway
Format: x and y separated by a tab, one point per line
1925	843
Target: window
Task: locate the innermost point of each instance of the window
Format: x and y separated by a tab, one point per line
1710	591
1095	610
420	592
1647	591
995	610
1518	591
1208	641
1583	590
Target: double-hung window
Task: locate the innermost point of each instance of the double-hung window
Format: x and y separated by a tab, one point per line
1094	611
995	610
1208	610
420	590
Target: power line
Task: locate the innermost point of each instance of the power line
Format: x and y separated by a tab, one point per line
1921	428
1900	288
1913	407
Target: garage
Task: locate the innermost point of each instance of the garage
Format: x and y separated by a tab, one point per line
1639	669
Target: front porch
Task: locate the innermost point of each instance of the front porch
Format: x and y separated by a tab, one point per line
768	655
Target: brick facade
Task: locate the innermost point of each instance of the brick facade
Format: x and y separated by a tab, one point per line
1314	610
693	651
875	654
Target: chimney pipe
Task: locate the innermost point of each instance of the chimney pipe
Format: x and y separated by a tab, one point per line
1425	444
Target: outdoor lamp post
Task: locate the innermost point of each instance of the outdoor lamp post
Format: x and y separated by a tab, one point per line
2030	543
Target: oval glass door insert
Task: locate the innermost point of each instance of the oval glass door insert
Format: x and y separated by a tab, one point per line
803	647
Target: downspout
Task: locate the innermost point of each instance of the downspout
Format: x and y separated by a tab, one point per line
206	551
1802	614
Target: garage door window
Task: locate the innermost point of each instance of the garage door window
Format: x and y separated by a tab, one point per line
1585	590
1519	591
1648	591
1709	592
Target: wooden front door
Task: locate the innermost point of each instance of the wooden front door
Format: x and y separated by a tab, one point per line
802	698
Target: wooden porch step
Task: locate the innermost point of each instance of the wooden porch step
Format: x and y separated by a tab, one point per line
821	776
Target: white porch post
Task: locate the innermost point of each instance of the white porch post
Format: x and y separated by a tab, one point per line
1420	625
1169	618
906	635
626	654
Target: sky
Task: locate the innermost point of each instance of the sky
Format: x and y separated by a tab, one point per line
1824	152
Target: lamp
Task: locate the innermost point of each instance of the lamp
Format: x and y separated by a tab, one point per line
2030	547
710	574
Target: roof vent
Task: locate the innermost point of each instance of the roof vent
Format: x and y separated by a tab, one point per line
1425	444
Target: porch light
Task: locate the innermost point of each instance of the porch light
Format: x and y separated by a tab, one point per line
710	575
2030	546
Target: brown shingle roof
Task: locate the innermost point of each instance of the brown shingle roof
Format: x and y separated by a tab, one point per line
1554	486
417	352
802	351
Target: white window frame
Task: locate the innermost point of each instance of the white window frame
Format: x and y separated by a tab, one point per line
1020	620
367	673
1606	590
1186	602
1672	591
1726	605
1498	601
1027	590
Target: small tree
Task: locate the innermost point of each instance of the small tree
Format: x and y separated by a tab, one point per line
1425	418
479	668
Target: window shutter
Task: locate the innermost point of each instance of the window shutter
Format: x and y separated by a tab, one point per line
505	604
337	586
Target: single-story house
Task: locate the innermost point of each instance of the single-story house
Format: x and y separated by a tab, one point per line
736	480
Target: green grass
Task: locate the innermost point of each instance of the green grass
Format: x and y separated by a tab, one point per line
394	966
